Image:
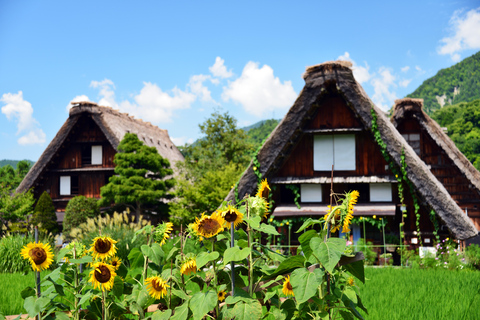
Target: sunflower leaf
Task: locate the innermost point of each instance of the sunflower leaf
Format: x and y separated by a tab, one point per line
235	254
86	259
247	311
153	252
181	312
204	258
172	253
162	315
266	228
253	222
328	252
27	292
58	288
203	302
305	283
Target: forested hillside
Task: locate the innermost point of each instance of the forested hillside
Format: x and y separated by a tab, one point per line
459	83
463	123
13	163
258	133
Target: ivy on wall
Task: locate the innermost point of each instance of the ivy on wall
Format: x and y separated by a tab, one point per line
296	193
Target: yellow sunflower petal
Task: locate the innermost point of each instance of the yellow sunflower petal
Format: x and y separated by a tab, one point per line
102	276
287	287
157	287
39	255
103	248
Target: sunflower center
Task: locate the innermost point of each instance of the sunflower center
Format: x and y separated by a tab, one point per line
157	285
102	246
38	255
289	286
114	263
265	193
209	226
230	216
102	274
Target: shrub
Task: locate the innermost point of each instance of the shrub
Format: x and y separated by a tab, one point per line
119	226
369	254
44	214
78	210
472	255
10	247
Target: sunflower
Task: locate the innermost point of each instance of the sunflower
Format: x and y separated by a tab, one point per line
287	287
102	276
221	295
116	262
162	232
351	281
189	266
157	287
103	248
263	190
231	214
40	255
209	226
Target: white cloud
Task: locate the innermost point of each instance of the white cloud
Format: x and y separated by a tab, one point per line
107	92
405	69
181	141
383	85
405	82
219	70
360	73
466	34
21	110
77	99
259	91
197	88
420	70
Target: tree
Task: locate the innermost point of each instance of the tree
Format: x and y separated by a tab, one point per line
44	214
78	210
15	206
10	177
142	179
211	168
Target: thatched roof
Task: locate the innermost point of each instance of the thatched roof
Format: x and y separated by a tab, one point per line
413	108
114	125
337	77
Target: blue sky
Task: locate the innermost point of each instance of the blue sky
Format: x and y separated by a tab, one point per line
174	63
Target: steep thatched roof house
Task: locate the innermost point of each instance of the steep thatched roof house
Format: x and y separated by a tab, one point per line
79	160
331	123
438	151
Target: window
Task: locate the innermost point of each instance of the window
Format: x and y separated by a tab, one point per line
336	150
97	155
92	155
65	186
413	140
68	185
381	192
311	193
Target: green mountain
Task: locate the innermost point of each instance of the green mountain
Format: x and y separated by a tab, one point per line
459	83
257	132
13	163
463	124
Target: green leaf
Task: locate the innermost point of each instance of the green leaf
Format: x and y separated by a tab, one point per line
86	297
253	222
288	265
162	315
136	258
305	283
117	287
35	306
247	311
180	294
351	294
205	257
309	222
172	253
27	292
329	252
62	254
239	295
153	252
181	312
357	269
346	315
305	242
266	228
58	288
59	315
203	302
235	254
86	259
289	307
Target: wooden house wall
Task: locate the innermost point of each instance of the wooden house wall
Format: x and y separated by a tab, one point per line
443	168
334	113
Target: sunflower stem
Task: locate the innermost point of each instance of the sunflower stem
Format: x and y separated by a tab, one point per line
103	305
215	275
250	256
232	264
145	263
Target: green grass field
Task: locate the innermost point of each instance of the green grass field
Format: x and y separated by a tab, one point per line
422	294
390	293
